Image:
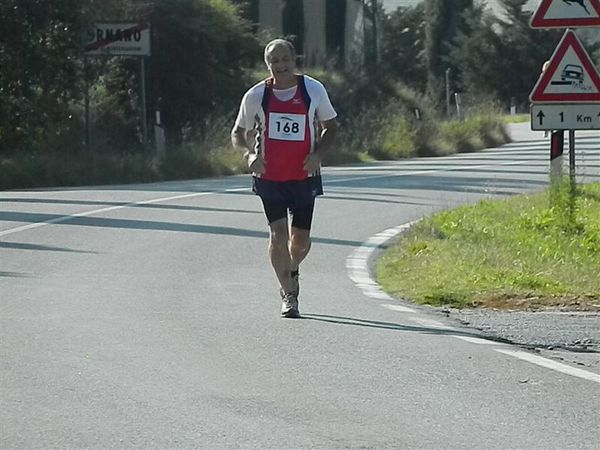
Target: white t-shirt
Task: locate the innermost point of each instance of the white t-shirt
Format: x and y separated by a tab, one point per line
251	107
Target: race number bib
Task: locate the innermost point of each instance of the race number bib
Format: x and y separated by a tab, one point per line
286	127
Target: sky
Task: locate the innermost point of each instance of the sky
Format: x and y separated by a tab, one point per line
390	5
590	32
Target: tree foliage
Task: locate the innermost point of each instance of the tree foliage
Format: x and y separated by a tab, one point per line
201	48
39	58
490	57
402	46
501	57
445	20
199	51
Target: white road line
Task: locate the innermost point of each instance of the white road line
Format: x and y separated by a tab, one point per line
467	157
424	172
358	262
357	265
480	341
111	208
398	308
549	364
424	321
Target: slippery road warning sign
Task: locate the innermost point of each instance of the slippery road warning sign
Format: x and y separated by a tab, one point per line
566	13
570	77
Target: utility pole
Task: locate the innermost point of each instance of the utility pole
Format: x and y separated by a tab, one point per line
448	92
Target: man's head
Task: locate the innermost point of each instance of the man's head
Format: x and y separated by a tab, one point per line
280	58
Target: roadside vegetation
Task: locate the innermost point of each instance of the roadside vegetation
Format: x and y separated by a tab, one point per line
526	252
392	104
517	118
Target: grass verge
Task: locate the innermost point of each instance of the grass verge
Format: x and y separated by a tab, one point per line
527	252
517	118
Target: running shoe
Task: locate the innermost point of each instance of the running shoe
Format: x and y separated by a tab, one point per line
289	306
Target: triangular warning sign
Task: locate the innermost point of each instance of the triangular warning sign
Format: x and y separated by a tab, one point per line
571	77
566	13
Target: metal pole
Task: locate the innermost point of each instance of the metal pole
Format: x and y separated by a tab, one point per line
557	140
448	92
572	160
144	114
375	33
88	133
572	176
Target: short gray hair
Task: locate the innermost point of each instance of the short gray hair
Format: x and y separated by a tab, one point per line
277	42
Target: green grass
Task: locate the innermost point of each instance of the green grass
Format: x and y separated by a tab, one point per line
518	118
524	252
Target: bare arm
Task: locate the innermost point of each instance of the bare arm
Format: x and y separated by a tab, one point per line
313	160
239	140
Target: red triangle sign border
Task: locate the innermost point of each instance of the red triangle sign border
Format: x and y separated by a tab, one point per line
569	40
539	20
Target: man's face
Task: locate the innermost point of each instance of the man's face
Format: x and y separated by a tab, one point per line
280	62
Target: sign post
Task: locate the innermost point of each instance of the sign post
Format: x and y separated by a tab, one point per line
121	39
557	145
567	94
144	108
88	131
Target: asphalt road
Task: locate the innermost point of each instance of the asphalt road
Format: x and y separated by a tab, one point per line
147	316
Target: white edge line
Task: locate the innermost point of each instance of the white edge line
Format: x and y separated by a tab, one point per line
358	271
549	364
357	265
475	340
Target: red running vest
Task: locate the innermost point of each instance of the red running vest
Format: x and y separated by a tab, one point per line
287	138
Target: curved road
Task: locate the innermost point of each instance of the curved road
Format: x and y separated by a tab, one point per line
146	316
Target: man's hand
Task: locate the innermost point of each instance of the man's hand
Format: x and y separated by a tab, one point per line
239	139
256	163
312	162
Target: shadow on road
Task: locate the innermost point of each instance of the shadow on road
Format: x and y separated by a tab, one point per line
149	225
125	204
21	246
13	275
396	326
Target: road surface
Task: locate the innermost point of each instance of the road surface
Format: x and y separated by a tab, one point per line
147	316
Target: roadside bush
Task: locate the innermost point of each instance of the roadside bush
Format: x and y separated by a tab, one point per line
398	140
473	133
377	121
457	136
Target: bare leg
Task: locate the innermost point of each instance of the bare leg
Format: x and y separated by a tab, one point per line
299	246
279	253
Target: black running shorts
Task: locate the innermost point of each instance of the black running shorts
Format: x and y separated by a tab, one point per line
297	197
301	217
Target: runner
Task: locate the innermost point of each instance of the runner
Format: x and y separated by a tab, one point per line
293	125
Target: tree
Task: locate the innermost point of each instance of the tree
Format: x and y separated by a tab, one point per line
476	54
402	46
501	58
200	49
445	19
40	45
524	50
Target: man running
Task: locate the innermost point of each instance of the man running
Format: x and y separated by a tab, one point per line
293	124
